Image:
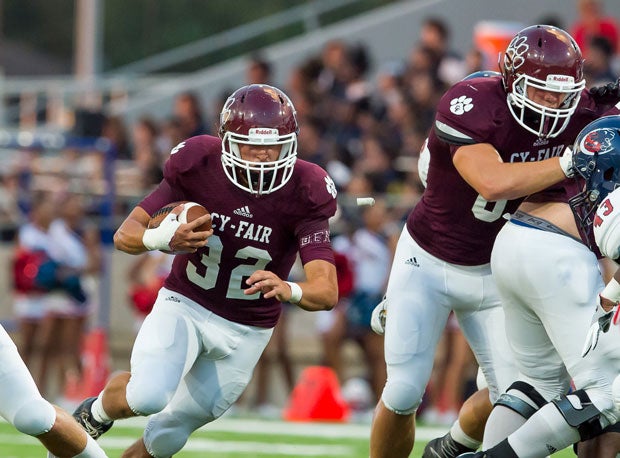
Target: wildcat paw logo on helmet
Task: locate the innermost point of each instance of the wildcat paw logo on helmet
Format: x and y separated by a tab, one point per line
545	58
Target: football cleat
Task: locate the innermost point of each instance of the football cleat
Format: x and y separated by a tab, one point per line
84	417
472	455
445	447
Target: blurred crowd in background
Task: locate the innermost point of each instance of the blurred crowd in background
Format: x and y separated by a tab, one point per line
365	131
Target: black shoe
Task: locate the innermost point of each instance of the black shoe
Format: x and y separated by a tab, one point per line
472	455
84	417
445	447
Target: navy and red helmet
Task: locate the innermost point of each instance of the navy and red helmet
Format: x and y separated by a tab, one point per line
596	159
258	114
545	58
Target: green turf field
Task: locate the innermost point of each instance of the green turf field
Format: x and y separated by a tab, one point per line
238	438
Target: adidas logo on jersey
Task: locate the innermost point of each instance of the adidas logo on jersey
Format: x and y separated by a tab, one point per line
244	211
541	141
412	262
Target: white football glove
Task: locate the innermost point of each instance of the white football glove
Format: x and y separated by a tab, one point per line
377	319
159	238
566	162
600	322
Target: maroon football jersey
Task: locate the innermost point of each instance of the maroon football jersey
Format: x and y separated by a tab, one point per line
452	221
250	233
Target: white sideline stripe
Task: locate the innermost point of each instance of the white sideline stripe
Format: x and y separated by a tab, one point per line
206	445
286	428
255	448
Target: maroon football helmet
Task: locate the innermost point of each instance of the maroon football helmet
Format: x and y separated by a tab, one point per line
258	114
546	58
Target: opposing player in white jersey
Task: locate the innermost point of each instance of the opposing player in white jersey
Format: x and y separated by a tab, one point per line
495	140
22	405
545	265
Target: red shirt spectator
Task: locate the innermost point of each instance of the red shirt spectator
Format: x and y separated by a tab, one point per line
591	22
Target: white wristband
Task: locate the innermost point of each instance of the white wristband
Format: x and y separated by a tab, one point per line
296	292
159	237
612	291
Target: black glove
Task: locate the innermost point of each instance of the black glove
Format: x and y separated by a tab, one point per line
608	94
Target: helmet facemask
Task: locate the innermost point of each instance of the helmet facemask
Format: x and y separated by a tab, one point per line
549	122
259	177
542	58
258	115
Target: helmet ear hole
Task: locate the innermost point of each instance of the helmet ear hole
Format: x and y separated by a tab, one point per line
608	174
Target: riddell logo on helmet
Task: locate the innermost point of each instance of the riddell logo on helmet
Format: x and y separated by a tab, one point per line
263	131
560	79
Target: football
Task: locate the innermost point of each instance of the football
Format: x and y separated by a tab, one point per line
191	211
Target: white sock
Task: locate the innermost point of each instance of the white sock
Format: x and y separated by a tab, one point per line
545	432
501	423
459	436
97	410
92	450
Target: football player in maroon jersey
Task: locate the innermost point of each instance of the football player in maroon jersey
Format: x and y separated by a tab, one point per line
195	352
495	140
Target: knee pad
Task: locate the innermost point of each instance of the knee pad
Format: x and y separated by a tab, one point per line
164	438
580	413
147	401
401	398
35	417
522	398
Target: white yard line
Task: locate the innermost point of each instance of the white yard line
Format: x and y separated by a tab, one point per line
274	427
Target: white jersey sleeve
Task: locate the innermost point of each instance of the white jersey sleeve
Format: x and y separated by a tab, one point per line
606	225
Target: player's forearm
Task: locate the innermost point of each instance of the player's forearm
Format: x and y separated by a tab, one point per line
520	179
128	237
318	296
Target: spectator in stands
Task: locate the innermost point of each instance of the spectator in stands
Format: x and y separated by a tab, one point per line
171	135
375	164
592	22
146	154
188	110
258	70
331	80
598	67
31	250
76	246
115	130
435	35
371	256
146	277
332	325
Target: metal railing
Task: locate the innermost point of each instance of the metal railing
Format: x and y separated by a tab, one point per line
28	103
